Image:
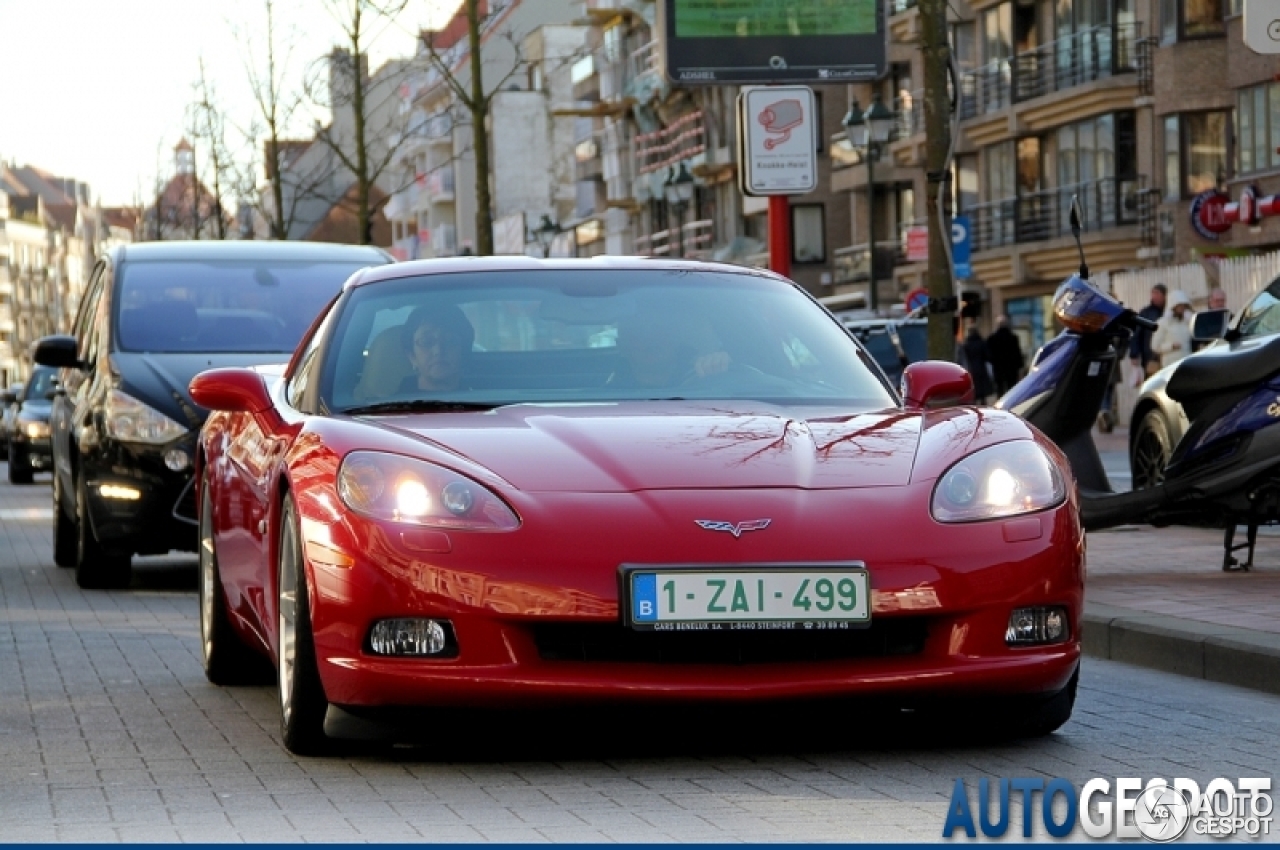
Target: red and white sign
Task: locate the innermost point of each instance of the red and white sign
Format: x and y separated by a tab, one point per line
780	144
917	244
1209	215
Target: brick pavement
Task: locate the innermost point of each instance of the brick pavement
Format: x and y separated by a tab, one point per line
109	732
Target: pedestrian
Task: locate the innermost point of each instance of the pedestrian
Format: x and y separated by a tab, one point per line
1172	339
1005	353
1218	299
1145	361
978	362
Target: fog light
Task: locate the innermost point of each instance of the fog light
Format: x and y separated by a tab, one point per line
412	637
1028	626
177	459
118	491
457	497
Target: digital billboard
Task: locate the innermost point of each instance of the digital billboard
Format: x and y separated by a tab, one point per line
772	41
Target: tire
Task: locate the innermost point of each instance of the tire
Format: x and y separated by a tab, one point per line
65	533
97	567
227	659
302	700
1151	451
20	471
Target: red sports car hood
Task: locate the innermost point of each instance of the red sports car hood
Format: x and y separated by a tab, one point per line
630	447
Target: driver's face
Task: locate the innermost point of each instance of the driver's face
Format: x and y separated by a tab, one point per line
437	356
652	356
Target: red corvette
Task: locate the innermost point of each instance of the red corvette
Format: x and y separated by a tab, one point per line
512	481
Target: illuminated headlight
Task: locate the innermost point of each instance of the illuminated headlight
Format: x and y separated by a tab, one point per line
1001	481
411	637
119	492
35	430
130	421
403	489
1029	626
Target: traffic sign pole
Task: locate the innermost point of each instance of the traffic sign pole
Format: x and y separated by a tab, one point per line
780	235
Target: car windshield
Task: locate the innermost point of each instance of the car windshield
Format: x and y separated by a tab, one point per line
503	337
40	384
223	306
1262	316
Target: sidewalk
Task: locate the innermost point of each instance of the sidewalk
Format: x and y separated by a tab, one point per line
1158	597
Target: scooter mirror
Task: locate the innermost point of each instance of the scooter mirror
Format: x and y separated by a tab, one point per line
1209	325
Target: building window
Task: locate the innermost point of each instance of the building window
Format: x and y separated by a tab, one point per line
1204	151
1184	19
808	234
1172	159
1258	128
965	183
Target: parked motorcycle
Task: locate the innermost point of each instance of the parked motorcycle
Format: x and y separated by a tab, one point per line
1226	467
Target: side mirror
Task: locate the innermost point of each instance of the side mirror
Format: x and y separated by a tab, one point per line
936	383
1210	325
235	390
59	351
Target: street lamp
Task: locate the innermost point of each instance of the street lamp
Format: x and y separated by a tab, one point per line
545	233
679	192
867	133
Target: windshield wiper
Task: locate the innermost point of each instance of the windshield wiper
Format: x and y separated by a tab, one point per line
425	405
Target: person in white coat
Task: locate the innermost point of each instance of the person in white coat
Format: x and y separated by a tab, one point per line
1172	339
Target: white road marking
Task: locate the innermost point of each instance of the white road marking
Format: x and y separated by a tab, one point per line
28	514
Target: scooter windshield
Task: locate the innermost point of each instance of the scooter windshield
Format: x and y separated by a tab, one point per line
1083	308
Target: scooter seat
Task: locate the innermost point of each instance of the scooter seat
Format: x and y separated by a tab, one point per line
1224	367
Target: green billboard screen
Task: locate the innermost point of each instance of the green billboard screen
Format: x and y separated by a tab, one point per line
770	18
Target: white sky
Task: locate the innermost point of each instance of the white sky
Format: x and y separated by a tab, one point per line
91	88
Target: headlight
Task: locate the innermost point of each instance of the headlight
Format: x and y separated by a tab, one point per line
402	489
1001	481
35	430
130	421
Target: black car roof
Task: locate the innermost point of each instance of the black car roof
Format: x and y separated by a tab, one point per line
318	252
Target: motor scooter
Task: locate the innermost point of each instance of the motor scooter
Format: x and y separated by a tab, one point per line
1226	468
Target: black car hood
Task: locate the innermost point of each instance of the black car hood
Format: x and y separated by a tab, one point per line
161	380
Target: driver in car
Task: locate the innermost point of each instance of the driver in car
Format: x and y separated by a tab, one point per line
437	340
660	351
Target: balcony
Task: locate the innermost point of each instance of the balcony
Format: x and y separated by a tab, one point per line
681	139
1075	60
1107	203
859	263
656	244
698	237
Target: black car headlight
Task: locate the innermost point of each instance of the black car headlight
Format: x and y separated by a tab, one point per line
1004	480
130	421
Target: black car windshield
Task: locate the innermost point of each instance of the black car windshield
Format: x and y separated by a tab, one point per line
223	306
41	384
504	337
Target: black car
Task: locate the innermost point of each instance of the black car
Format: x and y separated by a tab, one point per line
9	401
124	427
893	343
26	426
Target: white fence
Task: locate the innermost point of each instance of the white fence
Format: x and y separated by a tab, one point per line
1241	279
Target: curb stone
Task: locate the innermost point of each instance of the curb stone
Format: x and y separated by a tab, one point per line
1227	654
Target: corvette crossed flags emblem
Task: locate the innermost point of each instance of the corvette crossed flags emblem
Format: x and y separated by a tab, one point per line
736	529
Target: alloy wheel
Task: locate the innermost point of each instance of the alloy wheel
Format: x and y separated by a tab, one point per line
288	618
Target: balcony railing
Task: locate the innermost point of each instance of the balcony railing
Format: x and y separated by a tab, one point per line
1105	203
644	71
1076	59
698	237
986	89
656	244
681	139
909	108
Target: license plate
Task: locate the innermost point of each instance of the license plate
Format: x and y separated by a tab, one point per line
777	596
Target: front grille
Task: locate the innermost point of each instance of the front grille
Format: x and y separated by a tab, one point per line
185	508
606	642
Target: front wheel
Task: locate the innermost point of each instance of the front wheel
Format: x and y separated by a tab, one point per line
228	660
302	700
65	533
20	471
1151	451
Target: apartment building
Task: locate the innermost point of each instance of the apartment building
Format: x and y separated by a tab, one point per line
528	48
657	164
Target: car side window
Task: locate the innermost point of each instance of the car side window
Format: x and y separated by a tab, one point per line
1262	316
303	375
88	308
98	320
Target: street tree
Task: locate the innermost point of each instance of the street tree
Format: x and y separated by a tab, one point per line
936	47
207	126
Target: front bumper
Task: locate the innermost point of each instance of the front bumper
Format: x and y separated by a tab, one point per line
162	516
38	452
536	617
